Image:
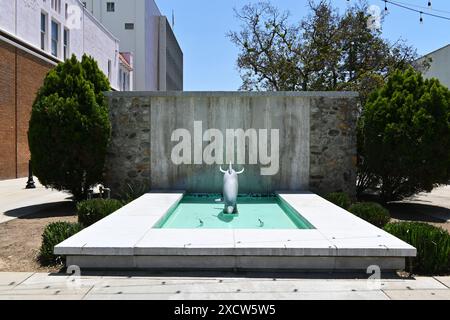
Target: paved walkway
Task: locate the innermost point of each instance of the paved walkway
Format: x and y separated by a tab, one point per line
434	203
40	286
16	201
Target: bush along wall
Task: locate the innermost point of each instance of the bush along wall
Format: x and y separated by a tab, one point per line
340	199
432	243
92	211
373	213
54	234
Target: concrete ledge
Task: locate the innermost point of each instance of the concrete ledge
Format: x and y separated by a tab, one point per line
236	263
328	94
340	241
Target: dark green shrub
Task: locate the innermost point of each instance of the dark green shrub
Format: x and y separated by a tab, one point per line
405	136
69	127
54	234
133	191
92	211
340	199
372	212
432	244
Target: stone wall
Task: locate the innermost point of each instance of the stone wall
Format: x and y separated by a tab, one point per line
316	134
333	144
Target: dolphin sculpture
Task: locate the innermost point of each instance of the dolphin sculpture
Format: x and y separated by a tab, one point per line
230	189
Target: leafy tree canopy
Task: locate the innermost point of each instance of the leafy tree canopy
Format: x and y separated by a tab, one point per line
69	127
405	135
327	50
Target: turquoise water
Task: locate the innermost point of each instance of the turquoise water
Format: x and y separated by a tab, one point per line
203	212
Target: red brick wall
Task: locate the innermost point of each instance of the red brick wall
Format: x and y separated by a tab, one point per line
21	75
7	111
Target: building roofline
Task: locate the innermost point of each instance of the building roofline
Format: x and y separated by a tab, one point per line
25	46
124	61
434	51
98	23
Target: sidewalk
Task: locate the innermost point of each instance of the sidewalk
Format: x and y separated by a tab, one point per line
41	286
16	201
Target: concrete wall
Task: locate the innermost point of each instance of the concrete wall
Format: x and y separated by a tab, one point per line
171	59
440	65
22	19
316	130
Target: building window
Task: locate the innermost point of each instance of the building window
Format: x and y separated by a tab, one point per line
55	38
110	7
66	43
129	26
109	70
43	31
56	5
126	82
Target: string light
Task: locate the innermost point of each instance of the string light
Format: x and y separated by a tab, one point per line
429	4
415	10
422	7
385	6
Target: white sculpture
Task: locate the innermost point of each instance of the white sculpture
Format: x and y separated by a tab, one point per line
230	189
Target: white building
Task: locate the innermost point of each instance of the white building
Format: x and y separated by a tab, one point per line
126	71
60	28
439	66
144	32
35	35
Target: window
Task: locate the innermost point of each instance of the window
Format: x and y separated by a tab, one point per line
109	70
56	5
126	82
55	38
110	7
66	43
43	31
129	26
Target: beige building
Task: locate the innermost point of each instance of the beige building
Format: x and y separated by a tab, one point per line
440	65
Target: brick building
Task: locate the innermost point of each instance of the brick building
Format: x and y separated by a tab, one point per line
21	75
35	35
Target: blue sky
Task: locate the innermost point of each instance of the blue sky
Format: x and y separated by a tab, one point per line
210	57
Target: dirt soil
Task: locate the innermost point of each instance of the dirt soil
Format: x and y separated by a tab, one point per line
20	239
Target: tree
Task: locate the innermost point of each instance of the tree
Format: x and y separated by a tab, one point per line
324	51
405	135
69	127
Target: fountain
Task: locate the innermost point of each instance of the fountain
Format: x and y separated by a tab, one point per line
230	189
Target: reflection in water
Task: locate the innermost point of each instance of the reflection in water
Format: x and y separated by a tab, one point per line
226	217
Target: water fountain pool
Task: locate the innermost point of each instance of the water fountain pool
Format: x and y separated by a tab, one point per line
175	142
146	234
255	212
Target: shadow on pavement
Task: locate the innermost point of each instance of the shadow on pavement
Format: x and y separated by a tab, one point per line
47	210
418	212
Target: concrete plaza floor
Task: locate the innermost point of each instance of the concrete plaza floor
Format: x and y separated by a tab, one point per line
16	201
42	286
